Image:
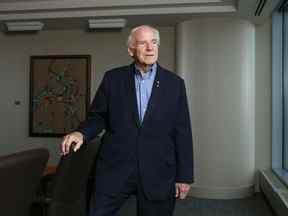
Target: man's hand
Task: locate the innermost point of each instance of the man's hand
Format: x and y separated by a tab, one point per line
182	190
73	140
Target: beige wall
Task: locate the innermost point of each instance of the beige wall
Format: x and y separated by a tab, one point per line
226	65
108	50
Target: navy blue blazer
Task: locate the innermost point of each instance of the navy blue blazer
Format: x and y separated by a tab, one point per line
161	146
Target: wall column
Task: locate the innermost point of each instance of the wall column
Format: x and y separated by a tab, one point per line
215	56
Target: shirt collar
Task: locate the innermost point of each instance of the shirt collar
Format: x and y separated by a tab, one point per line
149	74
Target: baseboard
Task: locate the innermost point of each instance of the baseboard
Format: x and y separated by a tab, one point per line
222	192
275	192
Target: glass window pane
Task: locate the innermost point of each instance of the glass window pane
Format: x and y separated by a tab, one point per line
285	87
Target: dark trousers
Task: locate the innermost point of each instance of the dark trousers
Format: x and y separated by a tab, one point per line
104	204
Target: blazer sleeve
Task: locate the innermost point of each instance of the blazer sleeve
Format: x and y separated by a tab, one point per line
97	114
183	140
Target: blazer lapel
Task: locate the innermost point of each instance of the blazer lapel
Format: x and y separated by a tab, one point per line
131	93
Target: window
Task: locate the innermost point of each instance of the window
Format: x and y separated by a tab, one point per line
285	84
280	92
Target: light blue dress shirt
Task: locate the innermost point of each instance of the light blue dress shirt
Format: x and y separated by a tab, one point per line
144	84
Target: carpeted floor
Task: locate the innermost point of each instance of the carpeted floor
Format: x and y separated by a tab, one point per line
252	206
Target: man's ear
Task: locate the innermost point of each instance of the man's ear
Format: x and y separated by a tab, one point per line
130	52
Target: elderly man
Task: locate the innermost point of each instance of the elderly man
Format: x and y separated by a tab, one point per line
147	146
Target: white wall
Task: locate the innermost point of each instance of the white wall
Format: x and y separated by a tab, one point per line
107	50
216	58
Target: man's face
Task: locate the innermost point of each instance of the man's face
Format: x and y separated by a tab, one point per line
145	47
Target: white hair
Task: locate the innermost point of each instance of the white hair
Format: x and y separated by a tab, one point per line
130	40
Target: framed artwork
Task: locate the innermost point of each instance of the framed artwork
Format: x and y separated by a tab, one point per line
59	94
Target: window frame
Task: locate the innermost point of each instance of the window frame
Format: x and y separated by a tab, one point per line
278	85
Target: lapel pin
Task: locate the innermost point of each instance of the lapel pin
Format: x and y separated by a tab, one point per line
157	83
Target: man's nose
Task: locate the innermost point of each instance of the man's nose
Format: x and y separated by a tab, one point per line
149	46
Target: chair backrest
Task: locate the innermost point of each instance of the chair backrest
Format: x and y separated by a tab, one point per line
20	175
70	183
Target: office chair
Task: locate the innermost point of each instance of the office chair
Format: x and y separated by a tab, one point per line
65	192
20	174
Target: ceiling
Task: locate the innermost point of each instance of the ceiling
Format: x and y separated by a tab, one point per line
73	14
